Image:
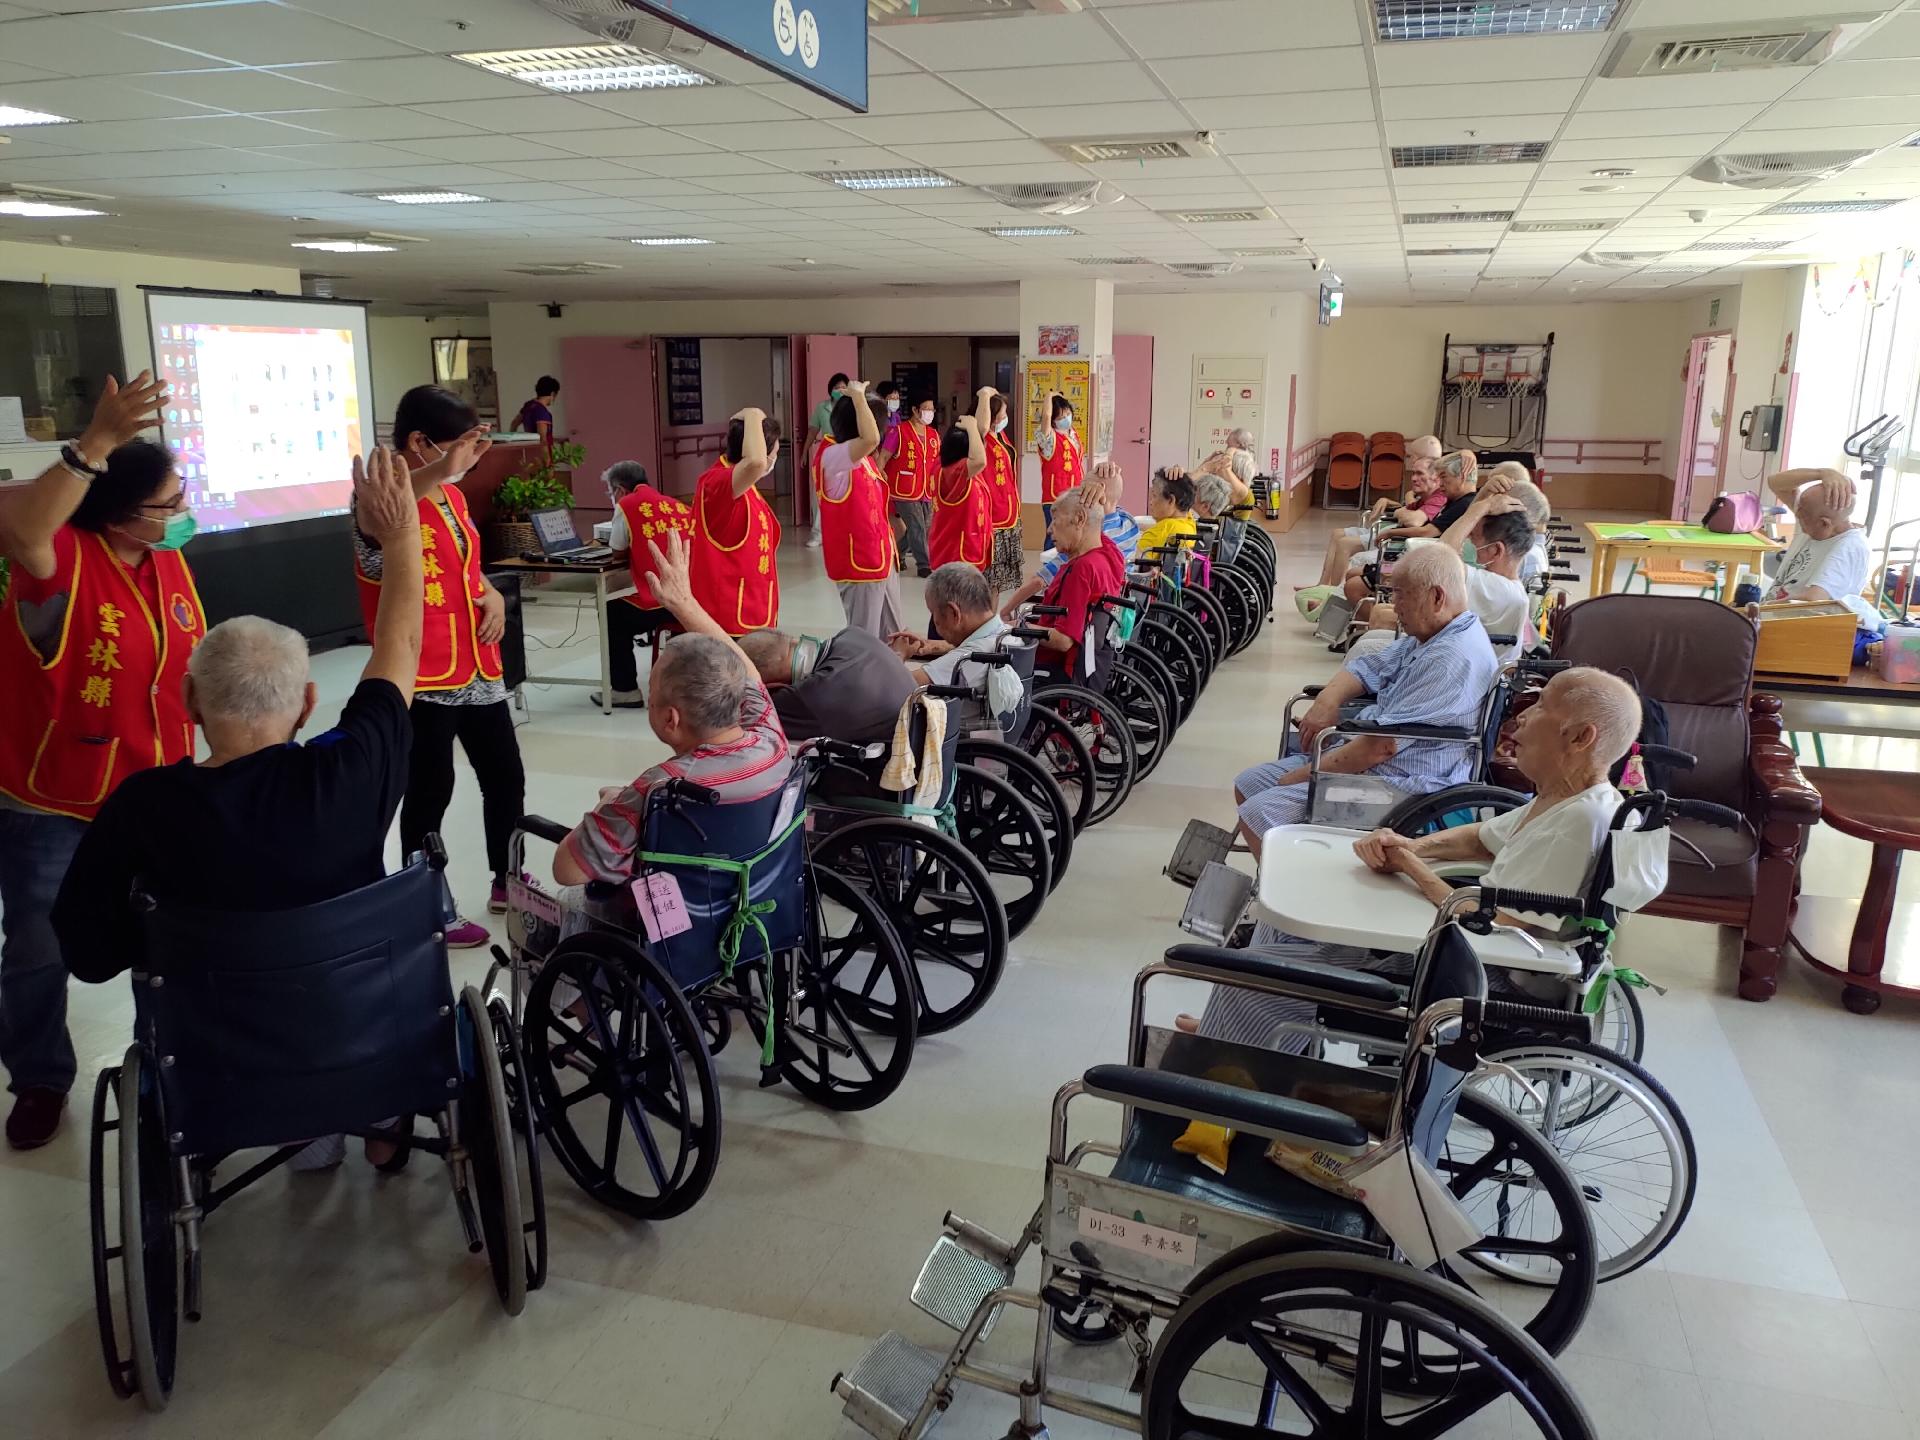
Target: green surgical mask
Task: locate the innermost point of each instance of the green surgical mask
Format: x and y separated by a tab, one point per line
178	530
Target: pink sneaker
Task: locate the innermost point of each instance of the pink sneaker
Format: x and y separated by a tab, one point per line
497	898
467	935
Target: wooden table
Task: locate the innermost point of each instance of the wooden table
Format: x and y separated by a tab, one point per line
598	571
1677	542
1862	704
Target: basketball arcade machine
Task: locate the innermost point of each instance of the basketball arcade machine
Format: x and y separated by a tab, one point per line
1493	399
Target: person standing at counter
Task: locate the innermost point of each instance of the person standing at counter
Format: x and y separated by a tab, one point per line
537	414
459	694
100	616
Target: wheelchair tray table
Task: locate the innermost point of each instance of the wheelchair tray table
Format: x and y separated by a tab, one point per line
1314	886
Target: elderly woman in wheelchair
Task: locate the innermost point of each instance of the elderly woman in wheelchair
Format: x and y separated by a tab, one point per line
1330	1269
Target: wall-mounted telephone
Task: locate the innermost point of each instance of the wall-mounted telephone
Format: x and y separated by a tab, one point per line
1760	428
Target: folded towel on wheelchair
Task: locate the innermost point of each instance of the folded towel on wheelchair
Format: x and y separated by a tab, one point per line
924	774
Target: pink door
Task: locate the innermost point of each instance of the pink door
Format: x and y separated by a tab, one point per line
612	408
1133	415
822	357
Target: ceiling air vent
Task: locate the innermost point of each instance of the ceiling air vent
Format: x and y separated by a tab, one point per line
318	284
1186	146
1622	259
1420	157
1204	269
1110	260
1220	217
1558	227
1055	197
1776	169
925	12
1708	49
1829	207
1442	252
1710	245
565	267
1467	19
1458	217
1271	252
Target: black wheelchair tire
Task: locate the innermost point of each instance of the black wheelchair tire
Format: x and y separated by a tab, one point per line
1204	606
1115	761
1238	1298
670	1016
980	956
523	1111
1422	814
120	1372
1189	678
486	1129
1146	716
1032	782
716	1022
1006	836
1198	638
1056	745
149	1253
1241	600
831	1006
1156	670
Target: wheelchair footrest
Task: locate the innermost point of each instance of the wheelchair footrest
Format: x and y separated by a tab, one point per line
1218	901
954	1281
885	1389
1199	846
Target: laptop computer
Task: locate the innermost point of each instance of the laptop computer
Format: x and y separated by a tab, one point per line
559	540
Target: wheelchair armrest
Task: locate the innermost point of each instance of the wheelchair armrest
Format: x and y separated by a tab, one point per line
1462	733
546	829
1274	1116
951	692
1502	641
1301	979
1046	609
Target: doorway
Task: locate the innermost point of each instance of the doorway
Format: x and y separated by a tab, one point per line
1705	413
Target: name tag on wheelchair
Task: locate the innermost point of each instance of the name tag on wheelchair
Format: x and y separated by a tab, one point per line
663	909
1168	1245
1412	1204
532	901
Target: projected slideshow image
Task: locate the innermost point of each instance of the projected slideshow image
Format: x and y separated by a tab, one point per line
265	420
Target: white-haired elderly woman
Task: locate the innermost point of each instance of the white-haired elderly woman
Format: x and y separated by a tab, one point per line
1510	477
1566	744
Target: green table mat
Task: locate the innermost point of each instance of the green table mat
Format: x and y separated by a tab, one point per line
1685	534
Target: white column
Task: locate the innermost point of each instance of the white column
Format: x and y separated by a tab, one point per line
1086	304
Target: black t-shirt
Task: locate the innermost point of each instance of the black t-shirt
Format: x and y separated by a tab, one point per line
1452	511
284	827
854	693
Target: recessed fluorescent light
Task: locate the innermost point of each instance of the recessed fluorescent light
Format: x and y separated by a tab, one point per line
1559	227
1026	232
12	116
1829	207
1417	157
564	267
1220	217
906	179
1465	19
42	210
1737	245
1487	251
576	69
422	197
666	240
345	247
32	202
1458	217
1611	172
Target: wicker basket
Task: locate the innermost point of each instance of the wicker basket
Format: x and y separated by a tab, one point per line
508	539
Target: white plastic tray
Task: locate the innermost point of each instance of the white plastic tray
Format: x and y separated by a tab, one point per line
1313	885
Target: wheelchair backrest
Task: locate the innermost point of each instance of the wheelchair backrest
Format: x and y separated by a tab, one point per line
275	1026
710	843
1448	969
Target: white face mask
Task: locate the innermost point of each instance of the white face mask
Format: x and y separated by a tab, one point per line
999	424
456	476
926	416
893	405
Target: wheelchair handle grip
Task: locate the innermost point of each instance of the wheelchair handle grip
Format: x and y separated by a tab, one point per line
951	692
1707	812
1544	667
1046	610
1503	640
689	792
1667	755
1027	632
1508	1015
1534	901
1121	601
546	829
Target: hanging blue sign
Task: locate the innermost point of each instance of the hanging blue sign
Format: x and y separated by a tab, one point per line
820	43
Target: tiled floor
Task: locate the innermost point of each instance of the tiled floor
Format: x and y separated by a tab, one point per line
344	1305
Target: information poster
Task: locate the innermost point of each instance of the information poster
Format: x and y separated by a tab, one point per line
1071	378
683	383
1059	339
1103	382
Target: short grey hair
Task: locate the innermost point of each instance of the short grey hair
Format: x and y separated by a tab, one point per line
767	647
625	473
250	669
962	586
1073	506
1604	701
1534	500
1432	567
1424	446
1241	439
703	677
1212	494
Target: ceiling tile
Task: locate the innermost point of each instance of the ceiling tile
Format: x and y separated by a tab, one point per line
627	140
1198	27
1681	120
1481	129
1524	97
1025	40
561	168
701	165
483	148
252	34
1264	72
1302	145
1106	82
374	122
1328	107
340	154
1534	57
1902	111
700	105
440	28
253	90
792	134
526	117
915	94
76	47
1146	117
1622	150
1848	79
1731	87
891	129
417	80
986	152
93	102
1767	136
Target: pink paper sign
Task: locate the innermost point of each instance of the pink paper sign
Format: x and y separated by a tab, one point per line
663	910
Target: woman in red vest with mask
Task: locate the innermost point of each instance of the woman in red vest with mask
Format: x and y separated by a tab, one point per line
962	526
911	474
459	694
736	536
857	536
1003	485
97	619
1062	467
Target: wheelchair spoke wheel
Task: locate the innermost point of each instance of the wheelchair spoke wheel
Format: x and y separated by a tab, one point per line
1146	717
1535	1221
716	1022
627	1089
940	903
149	1254
1144	662
846	998
1240	598
1001	831
486	1130
1619	1132
1189	678
1103	728
1054	743
524	1122
1455	806
1622	1025
107	1238
1316	1343
1198	638
1032	783
1204	606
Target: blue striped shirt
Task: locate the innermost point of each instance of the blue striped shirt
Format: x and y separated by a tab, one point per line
1441	680
1118	527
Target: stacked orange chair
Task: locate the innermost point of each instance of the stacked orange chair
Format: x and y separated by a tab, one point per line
1386	462
1347	467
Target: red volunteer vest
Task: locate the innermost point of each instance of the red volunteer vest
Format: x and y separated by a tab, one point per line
814	477
916	464
1003	483
856	537
451	654
736	544
650	515
112	699
962	527
1061	471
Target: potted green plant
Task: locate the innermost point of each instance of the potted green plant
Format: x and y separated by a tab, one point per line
542	487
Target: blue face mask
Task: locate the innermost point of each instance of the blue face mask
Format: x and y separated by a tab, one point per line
1063	424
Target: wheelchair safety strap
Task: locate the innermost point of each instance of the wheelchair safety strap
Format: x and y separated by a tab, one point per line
746	914
941	815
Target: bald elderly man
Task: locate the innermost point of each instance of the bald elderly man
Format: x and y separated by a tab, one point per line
1829	557
1437	673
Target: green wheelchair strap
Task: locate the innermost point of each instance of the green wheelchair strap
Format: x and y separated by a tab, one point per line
746	914
941	814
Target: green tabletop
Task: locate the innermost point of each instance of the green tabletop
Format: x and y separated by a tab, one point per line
1665	532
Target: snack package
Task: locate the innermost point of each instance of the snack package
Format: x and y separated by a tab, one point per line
1207	1143
1316	1166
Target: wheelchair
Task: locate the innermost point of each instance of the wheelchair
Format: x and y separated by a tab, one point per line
1282	1305
626	996
1078	695
324	1020
1237	588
